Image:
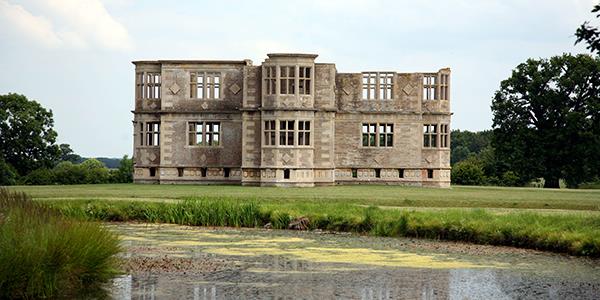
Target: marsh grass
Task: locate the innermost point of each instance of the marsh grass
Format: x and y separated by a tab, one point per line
576	234
45	255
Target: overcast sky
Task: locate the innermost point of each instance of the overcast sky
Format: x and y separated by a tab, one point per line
74	56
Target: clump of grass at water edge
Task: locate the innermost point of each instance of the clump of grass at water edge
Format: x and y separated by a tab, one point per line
46	255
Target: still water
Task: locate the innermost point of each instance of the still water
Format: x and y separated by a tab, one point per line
181	262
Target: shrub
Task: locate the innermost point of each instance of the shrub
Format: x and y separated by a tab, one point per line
68	173
8	174
45	255
509	178
124	173
467	172
39	177
94	171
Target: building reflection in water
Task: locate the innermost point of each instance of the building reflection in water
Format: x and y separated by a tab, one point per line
275	277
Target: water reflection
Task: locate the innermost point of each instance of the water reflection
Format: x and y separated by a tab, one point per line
365	284
176	262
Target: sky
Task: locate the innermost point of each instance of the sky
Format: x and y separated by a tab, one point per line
74	56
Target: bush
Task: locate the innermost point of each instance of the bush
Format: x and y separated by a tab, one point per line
467	172
8	174
39	177
45	255
95	171
90	171
509	178
125	172
68	173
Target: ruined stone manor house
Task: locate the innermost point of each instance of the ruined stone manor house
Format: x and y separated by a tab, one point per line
289	122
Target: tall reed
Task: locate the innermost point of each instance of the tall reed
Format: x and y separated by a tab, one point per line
575	234
45	255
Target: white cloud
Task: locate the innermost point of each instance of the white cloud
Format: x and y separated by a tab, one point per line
36	28
90	20
69	24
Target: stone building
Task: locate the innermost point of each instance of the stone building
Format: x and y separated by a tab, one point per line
289	122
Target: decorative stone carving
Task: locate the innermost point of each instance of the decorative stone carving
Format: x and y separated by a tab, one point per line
408	89
175	88
286	158
234	88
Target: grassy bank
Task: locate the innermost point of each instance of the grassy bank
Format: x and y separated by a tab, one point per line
45	255
575	234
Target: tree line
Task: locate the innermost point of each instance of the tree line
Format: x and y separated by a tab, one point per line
29	153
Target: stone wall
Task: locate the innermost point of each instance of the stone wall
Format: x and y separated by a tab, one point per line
334	107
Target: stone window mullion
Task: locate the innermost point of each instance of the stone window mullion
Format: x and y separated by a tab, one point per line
142	133
277	87
296	80
377	90
204	91
277	129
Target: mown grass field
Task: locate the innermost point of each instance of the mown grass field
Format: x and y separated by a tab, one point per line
566	221
383	196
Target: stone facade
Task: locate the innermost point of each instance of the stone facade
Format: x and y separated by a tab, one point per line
289	122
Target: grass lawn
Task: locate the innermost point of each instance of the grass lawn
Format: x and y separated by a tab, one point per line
366	195
560	220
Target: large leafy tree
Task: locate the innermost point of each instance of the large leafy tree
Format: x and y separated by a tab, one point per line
547	119
590	34
27	139
67	154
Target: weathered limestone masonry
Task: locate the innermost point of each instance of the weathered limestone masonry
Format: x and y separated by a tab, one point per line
289	122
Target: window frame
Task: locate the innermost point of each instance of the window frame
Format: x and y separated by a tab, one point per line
377	86
148	85
304	80
205	133
284	133
269	133
444	136
430	86
152	135
430	136
444	87
270	79
277	132
374	135
287	82
304	133
211	85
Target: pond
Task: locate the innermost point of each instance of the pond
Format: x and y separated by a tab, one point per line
182	262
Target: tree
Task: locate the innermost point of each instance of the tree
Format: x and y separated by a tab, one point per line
589	34
95	171
68	173
40	176
467	172
547	119
126	170
67	154
27	140
467	143
8	175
